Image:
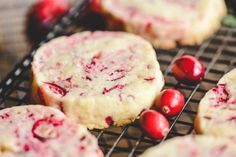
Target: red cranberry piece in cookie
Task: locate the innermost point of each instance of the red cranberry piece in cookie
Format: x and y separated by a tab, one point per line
218	150
26	148
46	128
118	86
56	89
4	116
221	92
109	120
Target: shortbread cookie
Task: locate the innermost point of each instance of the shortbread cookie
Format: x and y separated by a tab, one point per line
97	78
194	146
166	22
217	109
40	131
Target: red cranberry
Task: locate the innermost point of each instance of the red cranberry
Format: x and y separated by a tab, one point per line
154	124
222	96
109	120
118	86
95	5
43	15
46	128
56	89
170	102
47	11
26	148
188	70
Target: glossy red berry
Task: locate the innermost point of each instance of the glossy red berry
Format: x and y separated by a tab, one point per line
43	15
95	5
188	70
154	124
170	102
47	11
109	120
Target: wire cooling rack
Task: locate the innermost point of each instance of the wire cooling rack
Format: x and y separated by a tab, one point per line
218	54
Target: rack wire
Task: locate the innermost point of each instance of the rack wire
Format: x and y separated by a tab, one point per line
218	54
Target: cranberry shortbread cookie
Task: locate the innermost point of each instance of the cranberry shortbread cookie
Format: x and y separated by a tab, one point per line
97	78
40	131
194	146
166	22
217	109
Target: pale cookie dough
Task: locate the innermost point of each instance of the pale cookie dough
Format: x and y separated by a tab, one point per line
217	109
97	78
40	131
166	22
193	146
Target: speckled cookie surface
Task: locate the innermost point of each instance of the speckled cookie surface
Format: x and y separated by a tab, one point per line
40	131
166	22
97	78
193	146
217	109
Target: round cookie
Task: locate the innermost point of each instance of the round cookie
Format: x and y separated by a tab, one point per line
40	131
166	22
97	78
217	109
193	146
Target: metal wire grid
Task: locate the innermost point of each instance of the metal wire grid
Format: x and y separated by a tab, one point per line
8	84
218	54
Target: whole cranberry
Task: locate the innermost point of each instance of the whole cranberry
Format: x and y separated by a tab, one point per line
188	70
43	15
48	11
95	5
170	102
154	124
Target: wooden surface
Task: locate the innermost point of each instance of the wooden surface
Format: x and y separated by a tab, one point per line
13	42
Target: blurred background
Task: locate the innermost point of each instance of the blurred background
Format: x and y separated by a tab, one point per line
14	21
24	23
13	42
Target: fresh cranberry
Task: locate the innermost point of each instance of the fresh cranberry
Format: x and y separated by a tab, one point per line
154	124
188	70
46	128
43	15
47	11
170	102
95	5
56	89
109	120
